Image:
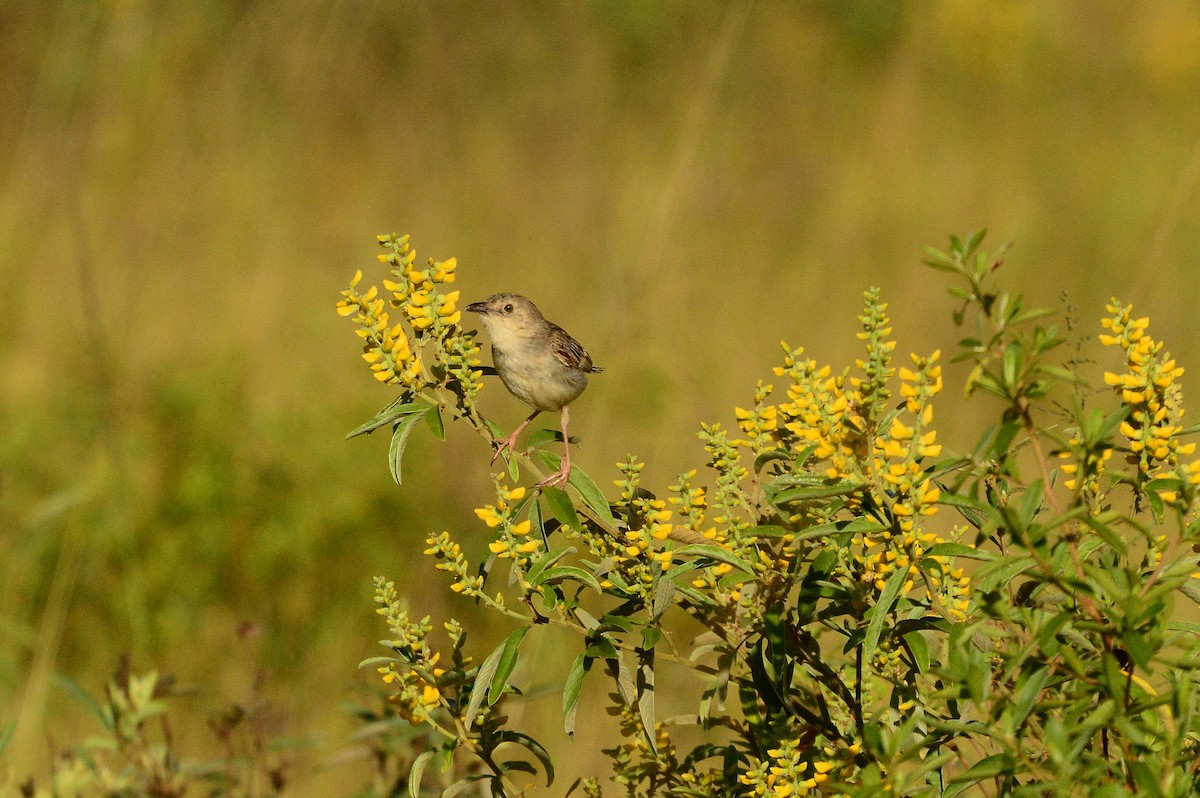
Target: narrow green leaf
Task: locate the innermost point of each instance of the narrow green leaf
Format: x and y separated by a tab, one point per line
768	531
645	690
560	572
958	550
483	681
417	770
1027	695
561	507
714	553
880	611
387	416
919	648
534	747
986	768
806	492
508	660
400	436
436	424
590	492
664	594
768	456
541	437
571	690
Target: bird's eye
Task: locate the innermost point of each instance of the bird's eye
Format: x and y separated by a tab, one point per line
508	308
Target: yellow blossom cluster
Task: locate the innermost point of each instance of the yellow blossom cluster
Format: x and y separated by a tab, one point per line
417	290
759	424
415	675
1149	388
634	757
691	503
386	347
1086	473
416	697
872	390
820	413
635	561
514	540
729	503
450	558
788	772
431	314
899	451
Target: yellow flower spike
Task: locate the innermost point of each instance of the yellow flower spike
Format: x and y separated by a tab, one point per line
454	318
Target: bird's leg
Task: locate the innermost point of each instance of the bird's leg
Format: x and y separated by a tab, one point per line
510	442
559	477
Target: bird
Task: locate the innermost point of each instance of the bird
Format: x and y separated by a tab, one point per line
538	362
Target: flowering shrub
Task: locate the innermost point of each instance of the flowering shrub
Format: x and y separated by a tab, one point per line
880	616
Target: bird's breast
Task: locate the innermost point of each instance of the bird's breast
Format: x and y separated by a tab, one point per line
538	378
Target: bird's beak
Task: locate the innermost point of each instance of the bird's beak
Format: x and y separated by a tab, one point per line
477	307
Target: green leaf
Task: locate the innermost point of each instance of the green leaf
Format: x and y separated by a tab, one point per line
590	492
571	690
483	680
1000	572
766	457
664	594
880	611
561	507
436	424
768	531
417	770
534	747
508	660
715	553
645	690
387	416
400	435
806	492
560	572
958	550
986	768
919	650
541	437
1027	695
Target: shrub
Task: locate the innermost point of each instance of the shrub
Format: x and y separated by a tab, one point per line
879	616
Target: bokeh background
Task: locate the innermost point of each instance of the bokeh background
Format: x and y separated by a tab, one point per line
682	184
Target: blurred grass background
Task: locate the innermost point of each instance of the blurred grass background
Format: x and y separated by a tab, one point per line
681	184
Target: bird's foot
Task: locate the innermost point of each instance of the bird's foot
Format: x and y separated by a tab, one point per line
509	443
557	479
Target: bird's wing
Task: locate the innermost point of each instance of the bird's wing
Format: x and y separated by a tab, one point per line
569	351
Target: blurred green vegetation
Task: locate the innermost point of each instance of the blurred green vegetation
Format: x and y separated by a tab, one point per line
680	184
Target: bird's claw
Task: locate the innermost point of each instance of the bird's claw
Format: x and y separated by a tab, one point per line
557	479
499	446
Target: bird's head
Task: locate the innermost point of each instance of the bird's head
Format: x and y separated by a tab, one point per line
507	316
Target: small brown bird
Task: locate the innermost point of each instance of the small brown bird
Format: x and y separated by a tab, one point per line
538	362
